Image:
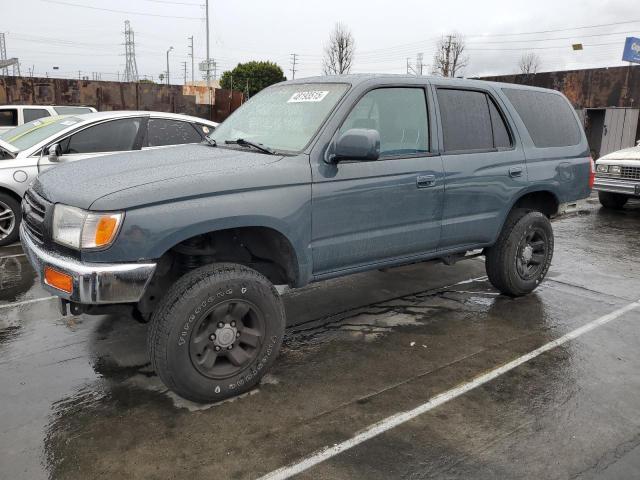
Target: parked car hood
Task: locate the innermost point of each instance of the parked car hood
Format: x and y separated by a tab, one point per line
632	153
187	169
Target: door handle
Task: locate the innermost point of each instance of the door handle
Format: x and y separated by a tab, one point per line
424	181
515	172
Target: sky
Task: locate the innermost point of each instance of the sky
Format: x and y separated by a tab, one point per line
81	36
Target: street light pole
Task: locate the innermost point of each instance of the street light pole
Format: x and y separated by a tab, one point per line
170	48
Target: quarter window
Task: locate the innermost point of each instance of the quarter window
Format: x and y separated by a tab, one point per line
112	136
9	117
163	131
549	117
398	114
31	114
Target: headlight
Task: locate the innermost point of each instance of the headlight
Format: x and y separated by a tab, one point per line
80	229
602	168
614	169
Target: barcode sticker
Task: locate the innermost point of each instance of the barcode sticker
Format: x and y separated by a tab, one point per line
309	96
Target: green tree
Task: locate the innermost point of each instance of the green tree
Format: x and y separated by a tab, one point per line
257	75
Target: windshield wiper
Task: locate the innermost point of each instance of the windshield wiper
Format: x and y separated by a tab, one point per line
210	141
248	143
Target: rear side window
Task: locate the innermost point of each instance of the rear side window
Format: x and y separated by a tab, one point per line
471	121
548	117
31	114
9	117
111	136
171	132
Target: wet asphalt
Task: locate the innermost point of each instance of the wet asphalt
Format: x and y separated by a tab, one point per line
79	400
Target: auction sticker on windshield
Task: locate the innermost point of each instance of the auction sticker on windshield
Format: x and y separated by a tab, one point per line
308	96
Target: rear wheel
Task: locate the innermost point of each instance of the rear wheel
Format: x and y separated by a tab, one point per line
521	257
216	332
10	216
612	200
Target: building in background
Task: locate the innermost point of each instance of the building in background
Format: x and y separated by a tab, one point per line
606	99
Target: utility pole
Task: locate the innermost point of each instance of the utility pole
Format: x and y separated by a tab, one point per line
184	64
131	67
208	51
191	55
419	63
168	80
294	57
79	75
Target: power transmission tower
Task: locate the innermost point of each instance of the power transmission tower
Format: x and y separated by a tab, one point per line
191	55
294	58
4	71
131	68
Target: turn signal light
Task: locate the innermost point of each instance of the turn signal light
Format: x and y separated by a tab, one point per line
105	230
59	280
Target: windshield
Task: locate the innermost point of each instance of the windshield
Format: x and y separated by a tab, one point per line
29	134
283	117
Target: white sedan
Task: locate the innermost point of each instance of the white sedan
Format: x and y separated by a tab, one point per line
618	177
35	146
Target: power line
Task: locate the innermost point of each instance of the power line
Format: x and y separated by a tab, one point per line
121	11
175	3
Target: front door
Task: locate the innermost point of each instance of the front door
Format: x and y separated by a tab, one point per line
483	163
113	136
368	212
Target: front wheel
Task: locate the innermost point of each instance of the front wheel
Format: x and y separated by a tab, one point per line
521	257
10	216
612	200
216	332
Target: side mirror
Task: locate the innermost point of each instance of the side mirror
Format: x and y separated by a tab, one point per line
360	144
53	152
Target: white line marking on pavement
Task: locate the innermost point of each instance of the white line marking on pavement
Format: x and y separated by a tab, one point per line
13	256
25	302
402	417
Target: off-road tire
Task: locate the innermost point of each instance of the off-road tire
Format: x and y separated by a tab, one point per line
502	258
612	200
182	312
14	206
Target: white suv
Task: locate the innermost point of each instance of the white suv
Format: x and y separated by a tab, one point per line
13	115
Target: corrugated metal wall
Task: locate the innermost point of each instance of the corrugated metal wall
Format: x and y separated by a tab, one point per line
589	88
111	96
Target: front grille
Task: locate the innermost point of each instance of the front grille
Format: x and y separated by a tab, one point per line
632	173
34	214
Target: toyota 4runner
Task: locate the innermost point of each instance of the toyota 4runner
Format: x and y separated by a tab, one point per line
311	179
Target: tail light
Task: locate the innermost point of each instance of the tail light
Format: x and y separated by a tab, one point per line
592	173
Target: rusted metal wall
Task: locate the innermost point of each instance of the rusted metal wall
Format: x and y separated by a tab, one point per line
226	103
596	87
111	96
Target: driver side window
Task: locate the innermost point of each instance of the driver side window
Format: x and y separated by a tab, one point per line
398	114
112	136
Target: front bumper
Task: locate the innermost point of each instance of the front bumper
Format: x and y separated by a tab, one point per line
615	185
93	283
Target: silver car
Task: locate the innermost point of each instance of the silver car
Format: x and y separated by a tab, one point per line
36	146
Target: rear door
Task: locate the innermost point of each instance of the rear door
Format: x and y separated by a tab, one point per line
483	163
105	138
165	132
